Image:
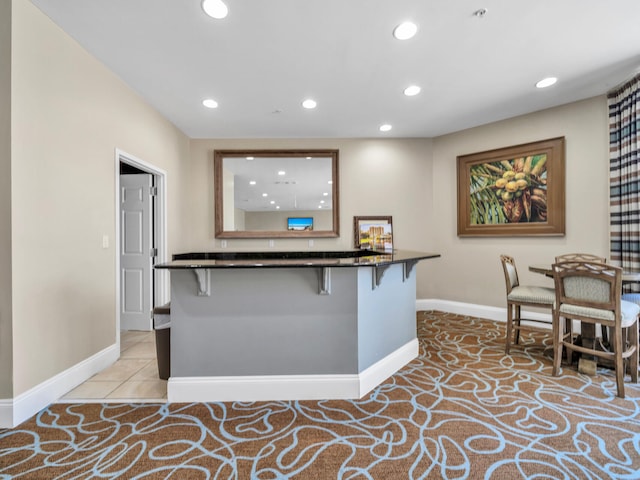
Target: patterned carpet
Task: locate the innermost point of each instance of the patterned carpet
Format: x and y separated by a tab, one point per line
460	410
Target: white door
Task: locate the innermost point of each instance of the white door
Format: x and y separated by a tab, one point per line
136	252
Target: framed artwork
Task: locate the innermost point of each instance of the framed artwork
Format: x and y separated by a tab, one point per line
516	190
373	232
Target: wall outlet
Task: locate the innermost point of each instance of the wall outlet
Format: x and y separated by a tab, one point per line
272	243
105	241
310	243
223	243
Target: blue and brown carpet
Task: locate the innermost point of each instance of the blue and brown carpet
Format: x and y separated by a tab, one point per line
461	410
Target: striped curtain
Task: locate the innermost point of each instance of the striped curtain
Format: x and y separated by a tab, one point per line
624	171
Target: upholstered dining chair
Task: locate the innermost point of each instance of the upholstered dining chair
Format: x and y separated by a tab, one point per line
519	296
590	292
580	257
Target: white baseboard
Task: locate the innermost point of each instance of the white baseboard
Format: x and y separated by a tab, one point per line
383	369
289	387
18	409
261	388
473	310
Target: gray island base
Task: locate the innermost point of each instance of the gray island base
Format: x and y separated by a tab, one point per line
252	326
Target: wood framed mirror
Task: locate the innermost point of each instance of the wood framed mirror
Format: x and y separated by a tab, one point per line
276	193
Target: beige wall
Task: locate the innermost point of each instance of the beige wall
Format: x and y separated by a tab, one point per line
377	177
414	180
470	270
6	349
70	113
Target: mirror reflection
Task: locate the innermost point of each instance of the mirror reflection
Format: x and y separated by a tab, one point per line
276	193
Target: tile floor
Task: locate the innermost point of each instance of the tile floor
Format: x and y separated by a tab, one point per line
134	377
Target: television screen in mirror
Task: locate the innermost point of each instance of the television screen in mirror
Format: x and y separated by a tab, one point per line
276	193
300	223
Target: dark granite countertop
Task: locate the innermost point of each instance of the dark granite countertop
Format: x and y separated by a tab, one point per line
349	258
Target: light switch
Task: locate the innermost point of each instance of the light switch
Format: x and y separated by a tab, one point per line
223	243
105	241
271	243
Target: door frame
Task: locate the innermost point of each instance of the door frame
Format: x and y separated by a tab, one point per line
160	277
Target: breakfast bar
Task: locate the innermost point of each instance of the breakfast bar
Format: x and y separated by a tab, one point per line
289	325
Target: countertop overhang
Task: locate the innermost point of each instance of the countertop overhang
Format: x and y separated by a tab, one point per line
279	259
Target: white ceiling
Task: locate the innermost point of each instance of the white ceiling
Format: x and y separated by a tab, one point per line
268	55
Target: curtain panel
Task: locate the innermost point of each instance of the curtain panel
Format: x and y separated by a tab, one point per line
624	173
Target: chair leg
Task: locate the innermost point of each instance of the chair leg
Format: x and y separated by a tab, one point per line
568	334
558	334
618	361
517	320
633	359
507	342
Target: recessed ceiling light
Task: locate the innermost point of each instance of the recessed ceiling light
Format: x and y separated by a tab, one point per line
325	194
282	172
210	103
412	90
215	8
265	194
309	103
385	128
546	82
272	202
405	30
252	182
249	158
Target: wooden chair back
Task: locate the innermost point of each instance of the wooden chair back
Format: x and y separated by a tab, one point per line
510	272
580	257
588	284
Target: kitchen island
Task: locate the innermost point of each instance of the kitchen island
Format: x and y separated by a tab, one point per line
289	325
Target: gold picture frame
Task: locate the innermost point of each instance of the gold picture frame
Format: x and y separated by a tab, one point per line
517	190
373	232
